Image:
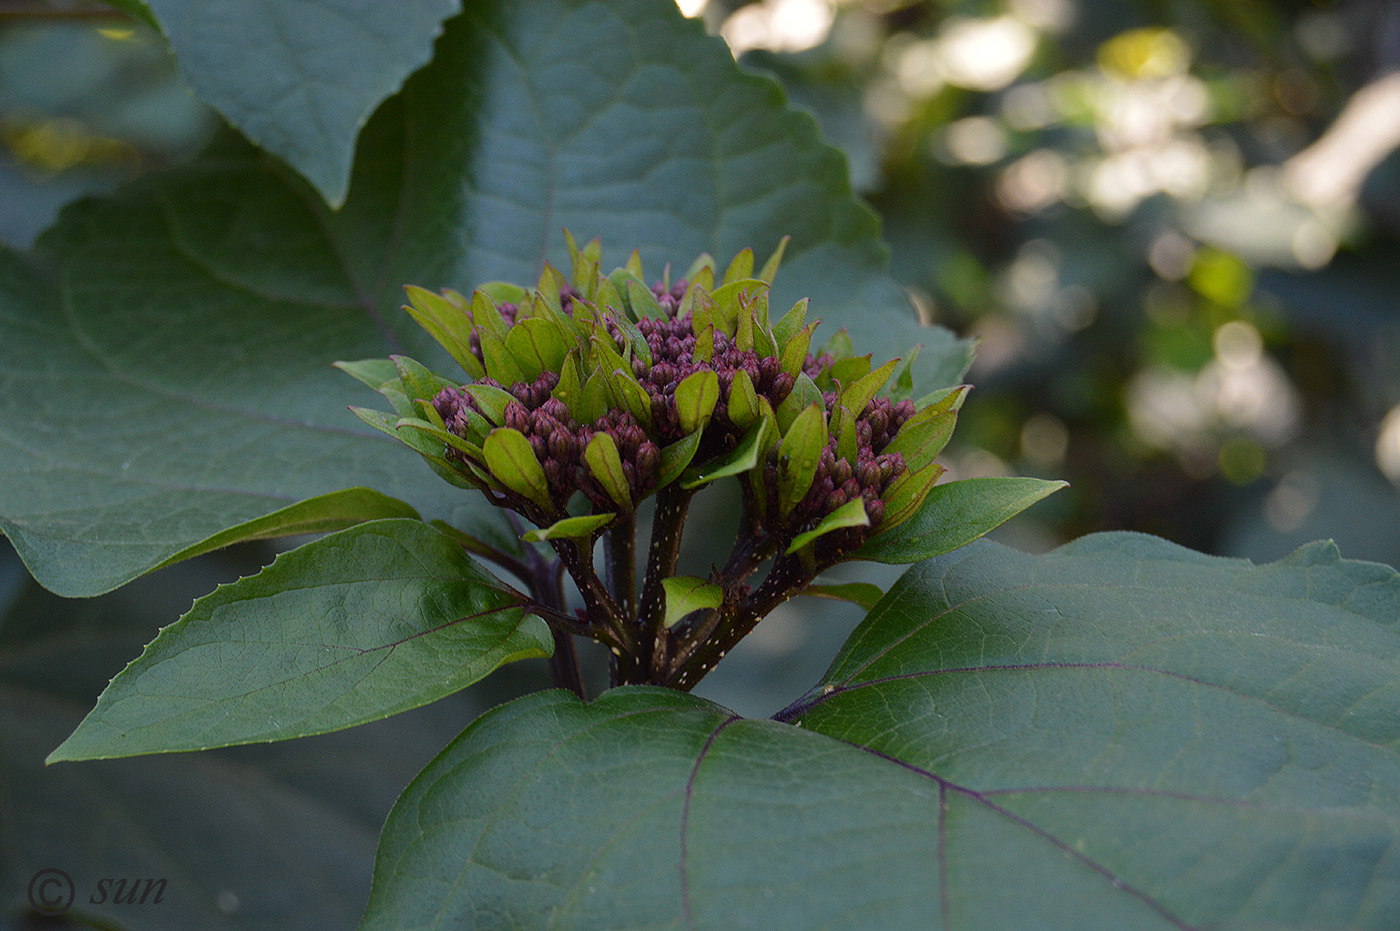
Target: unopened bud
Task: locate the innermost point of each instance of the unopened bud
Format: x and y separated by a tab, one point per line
870	474
648	459
782	387
517	417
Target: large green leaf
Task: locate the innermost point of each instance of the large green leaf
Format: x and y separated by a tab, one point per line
128	439
165	368
353	627
301	77
1120	734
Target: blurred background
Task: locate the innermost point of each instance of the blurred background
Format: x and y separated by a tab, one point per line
1172	224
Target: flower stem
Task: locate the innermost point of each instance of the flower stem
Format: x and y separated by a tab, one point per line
672	503
607	624
620	561
563	664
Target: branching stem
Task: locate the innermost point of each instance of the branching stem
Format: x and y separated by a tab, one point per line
672	504
733	621
607	623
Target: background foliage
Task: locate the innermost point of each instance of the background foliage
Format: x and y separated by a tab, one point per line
1181	289
1184	307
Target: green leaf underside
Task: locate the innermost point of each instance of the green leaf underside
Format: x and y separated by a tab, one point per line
175	380
285	73
569	527
364	623
1120	734
322	514
850	514
739	460
686	593
865	594
953	515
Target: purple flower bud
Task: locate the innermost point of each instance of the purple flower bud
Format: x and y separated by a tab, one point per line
870	474
447	403
767	371
663	374
879	420
563	446
663	414
841	471
554	474
648	460
900	414
782	387
517	417
567	295
543	424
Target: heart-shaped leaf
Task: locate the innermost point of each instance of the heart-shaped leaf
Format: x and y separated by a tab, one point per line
1119	734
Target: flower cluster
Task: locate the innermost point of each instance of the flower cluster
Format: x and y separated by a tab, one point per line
612	387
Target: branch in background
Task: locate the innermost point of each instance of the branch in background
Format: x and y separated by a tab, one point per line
1329	173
